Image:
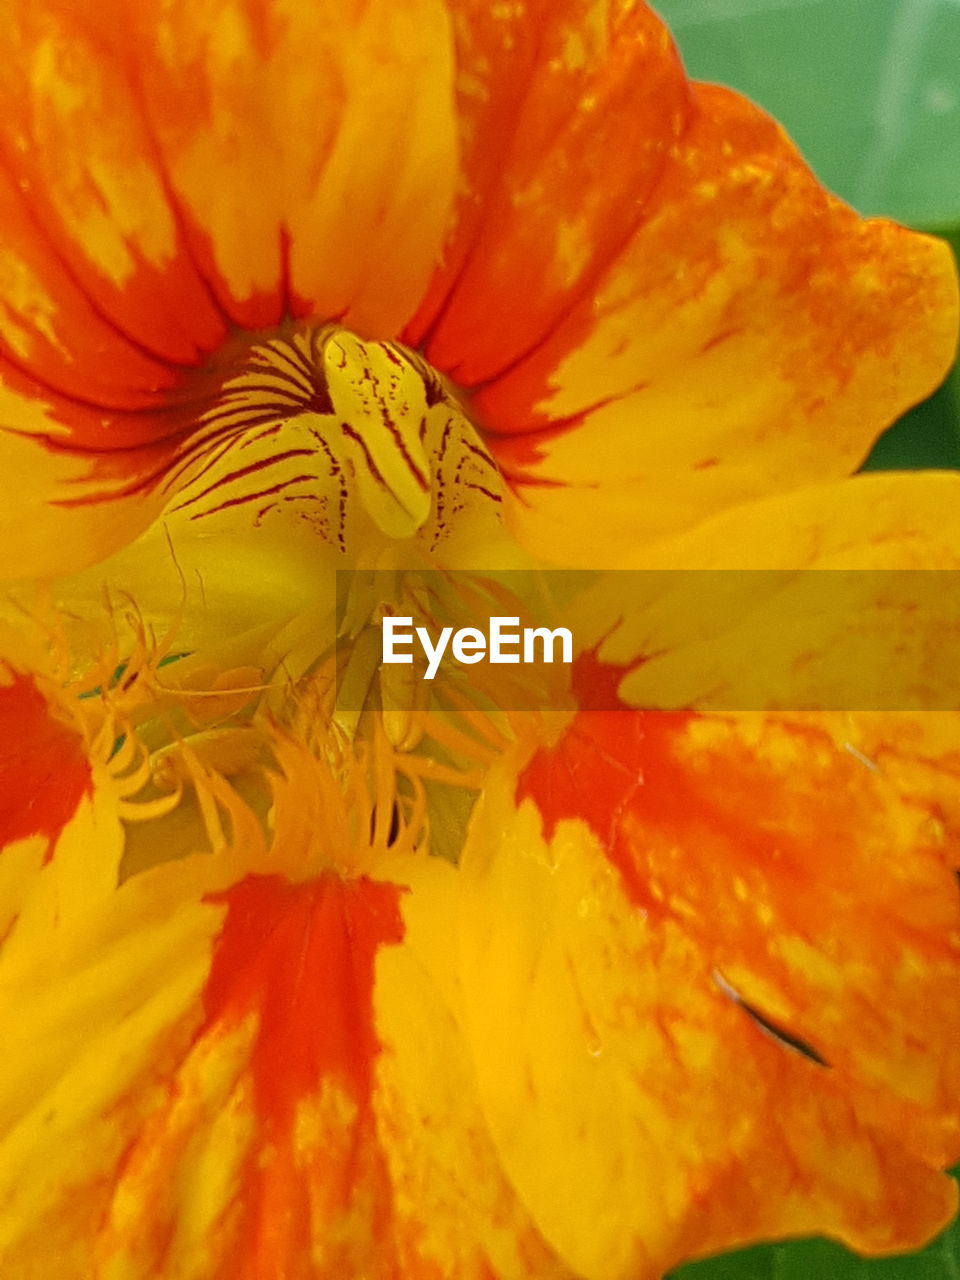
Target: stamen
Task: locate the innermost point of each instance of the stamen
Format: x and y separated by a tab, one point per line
342	808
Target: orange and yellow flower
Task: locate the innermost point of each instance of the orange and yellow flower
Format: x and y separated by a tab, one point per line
431	988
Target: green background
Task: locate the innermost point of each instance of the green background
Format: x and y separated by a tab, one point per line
870	91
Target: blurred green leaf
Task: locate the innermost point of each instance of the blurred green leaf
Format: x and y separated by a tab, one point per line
928	436
869	89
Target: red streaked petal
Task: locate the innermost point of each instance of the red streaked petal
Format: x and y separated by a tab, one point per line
655	912
95	203
60	831
793	858
280	1086
324	936
351	218
567	113
289	1001
82	481
754	335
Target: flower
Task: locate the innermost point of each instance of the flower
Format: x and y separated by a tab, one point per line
289	288
699	309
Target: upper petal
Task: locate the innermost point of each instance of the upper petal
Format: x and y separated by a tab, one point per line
567	113
750	335
139	232
140	136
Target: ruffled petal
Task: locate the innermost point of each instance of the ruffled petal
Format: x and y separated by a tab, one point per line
753	335
251	1066
710	985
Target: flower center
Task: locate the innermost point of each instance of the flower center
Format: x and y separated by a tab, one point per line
362	440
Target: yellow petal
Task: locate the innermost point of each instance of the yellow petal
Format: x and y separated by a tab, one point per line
839	596
625	898
140	235
248	1064
753	336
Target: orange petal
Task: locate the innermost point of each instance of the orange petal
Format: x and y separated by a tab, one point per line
567	112
279	1073
350	222
247	1076
710	984
139	232
189	107
95	237
752	335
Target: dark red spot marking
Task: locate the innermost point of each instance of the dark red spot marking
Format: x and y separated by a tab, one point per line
608	764
596	684
302	957
44	771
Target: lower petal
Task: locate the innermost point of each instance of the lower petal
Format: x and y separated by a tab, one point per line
643	1112
251	1066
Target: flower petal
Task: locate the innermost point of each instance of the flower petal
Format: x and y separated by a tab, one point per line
840	596
754	335
44	770
188	106
710	985
351	219
546	96
84	1014
90	224
245	1074
60	840
876	520
139	232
